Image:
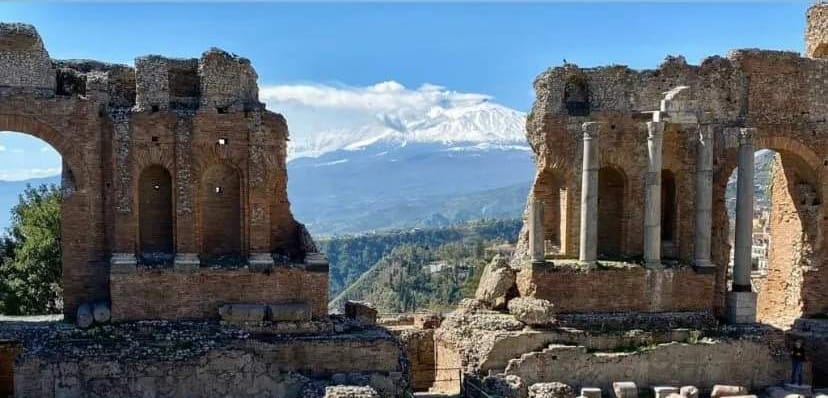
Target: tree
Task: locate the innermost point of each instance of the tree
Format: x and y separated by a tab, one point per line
30	271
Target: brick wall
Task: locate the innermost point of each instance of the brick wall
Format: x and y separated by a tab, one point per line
166	294
629	289
8	352
419	348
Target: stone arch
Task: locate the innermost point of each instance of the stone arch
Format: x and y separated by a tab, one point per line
156	222
612	187
221	210
794	230
69	150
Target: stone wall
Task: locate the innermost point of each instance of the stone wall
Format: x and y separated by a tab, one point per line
780	94
110	123
742	362
282	370
419	348
167	294
816	31
632	289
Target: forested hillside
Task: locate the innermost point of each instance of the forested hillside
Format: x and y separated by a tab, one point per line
351	256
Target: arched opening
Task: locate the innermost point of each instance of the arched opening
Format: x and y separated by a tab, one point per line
785	227
155	215
550	190
221	212
669	211
31	213
576	96
611	188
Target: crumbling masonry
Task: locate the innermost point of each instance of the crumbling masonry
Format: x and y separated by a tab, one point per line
174	181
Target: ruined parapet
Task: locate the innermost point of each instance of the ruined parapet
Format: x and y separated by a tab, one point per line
24	62
816	31
163	83
228	82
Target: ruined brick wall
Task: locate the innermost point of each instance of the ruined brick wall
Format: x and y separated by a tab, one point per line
631	289
780	94
166	294
181	118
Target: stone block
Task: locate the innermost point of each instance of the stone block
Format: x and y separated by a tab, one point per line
664	391
591	392
720	390
779	392
260	262
342	391
361	311
689	392
532	311
186	262
551	390
294	312
123	263
507	386
625	389
242	313
427	321
497	280
741	307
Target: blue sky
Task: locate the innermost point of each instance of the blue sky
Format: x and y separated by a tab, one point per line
490	49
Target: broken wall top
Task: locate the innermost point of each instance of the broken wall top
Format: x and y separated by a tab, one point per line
216	82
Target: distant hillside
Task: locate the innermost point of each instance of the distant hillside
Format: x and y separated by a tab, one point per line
351	256
11	190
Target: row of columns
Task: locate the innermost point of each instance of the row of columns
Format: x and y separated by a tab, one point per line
741	301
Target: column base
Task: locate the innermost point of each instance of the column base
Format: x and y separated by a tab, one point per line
653	265
589	264
123	263
186	262
260	262
741	307
704	267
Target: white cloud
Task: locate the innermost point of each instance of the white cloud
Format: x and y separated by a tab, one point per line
388	96
25	174
324	117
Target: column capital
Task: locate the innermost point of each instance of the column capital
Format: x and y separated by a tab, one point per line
746	134
591	130
655	128
706	132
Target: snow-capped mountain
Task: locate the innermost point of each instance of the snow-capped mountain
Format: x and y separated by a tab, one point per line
465	125
424	167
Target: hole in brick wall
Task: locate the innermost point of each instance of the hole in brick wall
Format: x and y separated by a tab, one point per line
155	108
219	190
222	141
154	139
156	187
221	109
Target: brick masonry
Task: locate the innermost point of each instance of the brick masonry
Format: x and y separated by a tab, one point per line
166	294
197	122
780	94
630	289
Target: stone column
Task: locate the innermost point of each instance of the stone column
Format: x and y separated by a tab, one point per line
589	194
704	199
742	302
652	201
536	232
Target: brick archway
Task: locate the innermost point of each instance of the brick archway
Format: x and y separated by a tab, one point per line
155	212
220	199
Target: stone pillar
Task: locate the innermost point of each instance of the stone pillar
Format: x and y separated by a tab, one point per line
589	194
704	199
536	232
742	302
652	202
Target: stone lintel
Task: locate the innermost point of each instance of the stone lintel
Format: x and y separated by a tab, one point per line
316	262
123	263
186	262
